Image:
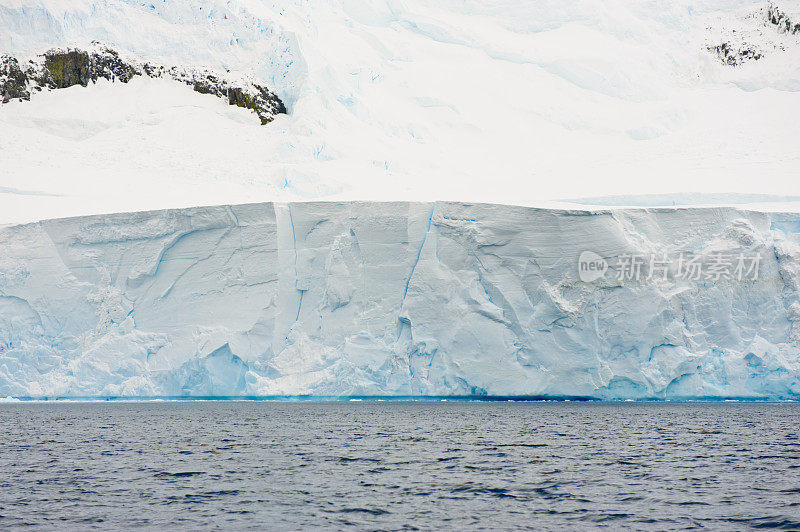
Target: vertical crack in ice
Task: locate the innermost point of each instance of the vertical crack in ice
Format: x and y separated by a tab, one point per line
296	276
299	306
233	214
419	254
294	239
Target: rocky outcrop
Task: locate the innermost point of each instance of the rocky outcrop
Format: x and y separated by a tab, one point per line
761	32
13	81
58	69
780	19
733	55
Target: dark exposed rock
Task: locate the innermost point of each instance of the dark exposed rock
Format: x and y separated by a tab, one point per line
767	22
65	69
735	56
107	64
58	69
13	81
781	20
260	101
251	96
736	50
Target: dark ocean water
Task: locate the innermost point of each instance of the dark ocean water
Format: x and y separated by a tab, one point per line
406	465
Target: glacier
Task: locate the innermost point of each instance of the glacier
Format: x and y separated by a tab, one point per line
404	100
394	299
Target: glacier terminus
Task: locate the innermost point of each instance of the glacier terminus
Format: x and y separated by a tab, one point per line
338	299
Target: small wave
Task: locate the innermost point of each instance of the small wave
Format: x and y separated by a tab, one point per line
371	511
180	474
347	459
778	522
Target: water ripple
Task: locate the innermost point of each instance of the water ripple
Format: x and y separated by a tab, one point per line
400	466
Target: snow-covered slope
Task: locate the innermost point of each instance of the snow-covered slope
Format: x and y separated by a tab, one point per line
396	299
513	102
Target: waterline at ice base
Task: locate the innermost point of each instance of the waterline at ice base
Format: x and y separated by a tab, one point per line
344	299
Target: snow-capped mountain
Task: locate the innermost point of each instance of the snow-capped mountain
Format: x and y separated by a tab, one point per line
513	102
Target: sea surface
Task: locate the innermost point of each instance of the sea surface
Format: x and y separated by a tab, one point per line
400	465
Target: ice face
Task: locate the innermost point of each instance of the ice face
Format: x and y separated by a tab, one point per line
396	299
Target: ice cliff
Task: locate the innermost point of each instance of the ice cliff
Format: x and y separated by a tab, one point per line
394	299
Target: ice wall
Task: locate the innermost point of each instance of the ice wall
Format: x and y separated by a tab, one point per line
394	299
